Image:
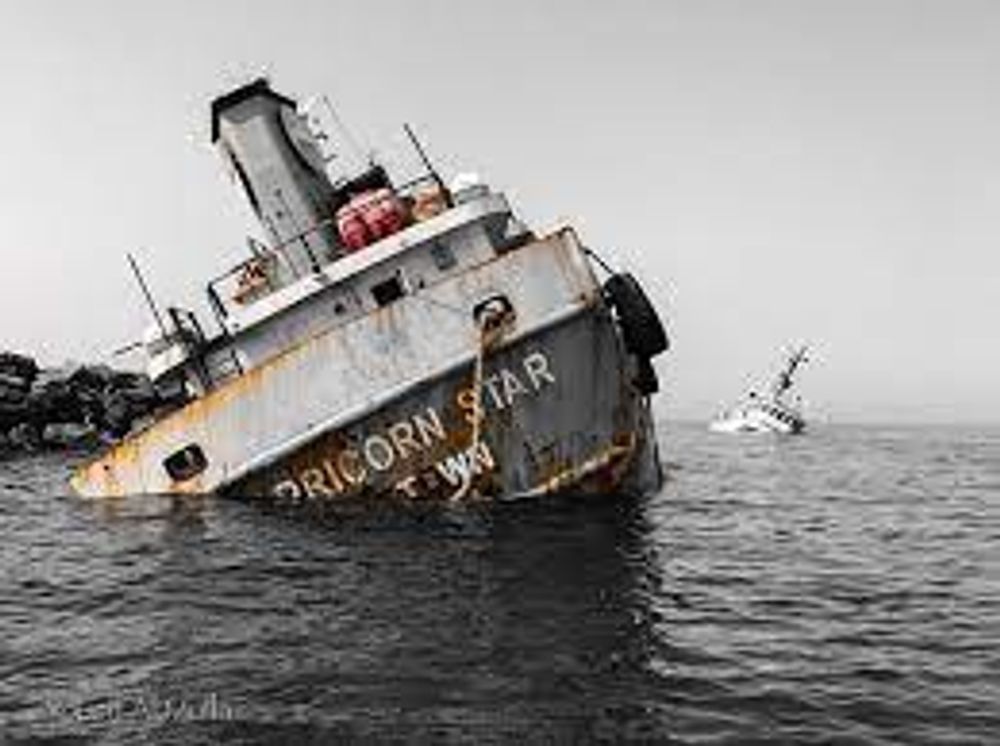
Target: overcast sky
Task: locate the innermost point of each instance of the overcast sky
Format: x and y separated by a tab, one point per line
774	171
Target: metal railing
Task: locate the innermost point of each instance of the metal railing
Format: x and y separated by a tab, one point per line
270	268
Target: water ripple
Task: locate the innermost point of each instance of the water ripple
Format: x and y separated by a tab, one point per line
842	588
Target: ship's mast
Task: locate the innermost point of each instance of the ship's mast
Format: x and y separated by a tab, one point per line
784	380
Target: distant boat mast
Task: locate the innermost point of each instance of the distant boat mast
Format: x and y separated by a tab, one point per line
784	380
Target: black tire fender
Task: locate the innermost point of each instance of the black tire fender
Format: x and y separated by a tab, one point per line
642	330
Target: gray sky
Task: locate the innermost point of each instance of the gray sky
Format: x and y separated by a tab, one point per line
774	171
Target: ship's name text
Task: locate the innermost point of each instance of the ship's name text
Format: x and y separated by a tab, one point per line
347	469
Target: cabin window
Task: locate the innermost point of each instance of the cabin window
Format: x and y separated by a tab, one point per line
444	257
185	464
388	291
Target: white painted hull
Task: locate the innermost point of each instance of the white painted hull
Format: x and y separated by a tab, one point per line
757	419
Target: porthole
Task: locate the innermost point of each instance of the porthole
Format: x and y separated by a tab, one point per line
185	464
388	291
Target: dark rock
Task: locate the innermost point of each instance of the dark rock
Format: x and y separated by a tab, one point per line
55	401
12	414
91	377
14	382
12	395
70	435
25	437
70	407
20	366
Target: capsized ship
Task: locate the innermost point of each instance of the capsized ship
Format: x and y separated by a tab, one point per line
770	413
391	342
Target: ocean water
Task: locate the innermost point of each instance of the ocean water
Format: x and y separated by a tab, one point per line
838	588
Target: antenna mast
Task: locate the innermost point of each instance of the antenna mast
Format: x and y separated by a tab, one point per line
352	141
428	165
148	295
784	381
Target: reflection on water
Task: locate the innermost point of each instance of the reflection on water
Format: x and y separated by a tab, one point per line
474	623
843	587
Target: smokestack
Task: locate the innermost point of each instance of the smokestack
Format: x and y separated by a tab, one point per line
280	166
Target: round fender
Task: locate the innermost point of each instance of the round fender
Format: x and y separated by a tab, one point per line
642	330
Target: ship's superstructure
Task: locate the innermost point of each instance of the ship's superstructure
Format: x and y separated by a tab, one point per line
391	341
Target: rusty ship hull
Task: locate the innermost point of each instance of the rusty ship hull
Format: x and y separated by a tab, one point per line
383	406
533	439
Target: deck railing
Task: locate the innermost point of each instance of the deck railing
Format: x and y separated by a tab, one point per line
269	268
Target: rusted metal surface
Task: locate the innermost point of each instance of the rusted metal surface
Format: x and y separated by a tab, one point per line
532	440
395	384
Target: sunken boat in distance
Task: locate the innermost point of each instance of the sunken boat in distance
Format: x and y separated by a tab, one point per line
391	342
771	413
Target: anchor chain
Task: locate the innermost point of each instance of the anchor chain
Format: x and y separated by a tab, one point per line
492	320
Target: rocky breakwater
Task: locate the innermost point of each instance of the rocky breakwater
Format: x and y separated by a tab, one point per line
72	407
